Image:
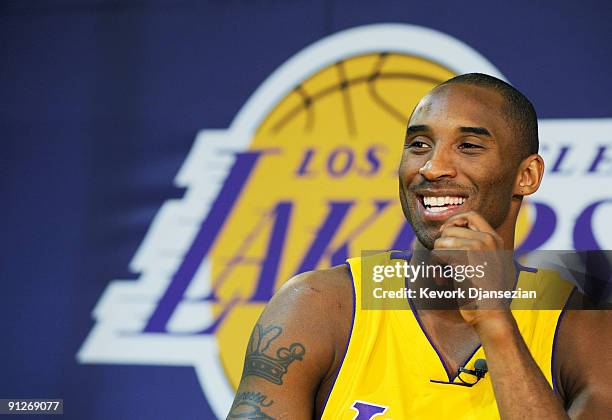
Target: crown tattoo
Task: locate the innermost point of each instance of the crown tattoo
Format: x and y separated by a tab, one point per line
260	364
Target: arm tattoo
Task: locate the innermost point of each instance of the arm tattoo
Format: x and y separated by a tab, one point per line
256	397
247	410
260	363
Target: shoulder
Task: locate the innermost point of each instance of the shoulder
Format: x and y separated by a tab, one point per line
329	284
322	297
294	347
583	331
318	307
325	284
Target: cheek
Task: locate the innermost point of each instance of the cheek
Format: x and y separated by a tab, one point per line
408	169
495	199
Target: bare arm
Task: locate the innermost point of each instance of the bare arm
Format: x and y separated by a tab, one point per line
584	368
293	348
520	388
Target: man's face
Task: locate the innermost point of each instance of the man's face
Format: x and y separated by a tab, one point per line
458	157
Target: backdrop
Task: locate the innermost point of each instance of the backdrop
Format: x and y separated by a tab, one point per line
166	166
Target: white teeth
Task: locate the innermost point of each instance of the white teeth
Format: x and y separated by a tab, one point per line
442	201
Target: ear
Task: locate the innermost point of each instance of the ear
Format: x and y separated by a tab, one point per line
529	176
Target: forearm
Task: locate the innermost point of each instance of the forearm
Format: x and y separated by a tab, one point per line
521	390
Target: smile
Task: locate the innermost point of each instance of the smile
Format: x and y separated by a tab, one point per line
437	208
440	204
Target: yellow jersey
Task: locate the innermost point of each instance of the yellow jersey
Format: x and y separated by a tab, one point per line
390	365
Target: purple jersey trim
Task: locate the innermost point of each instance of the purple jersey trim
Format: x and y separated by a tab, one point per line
554	343
347	341
418	320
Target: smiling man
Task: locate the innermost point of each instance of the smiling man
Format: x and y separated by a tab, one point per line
470	156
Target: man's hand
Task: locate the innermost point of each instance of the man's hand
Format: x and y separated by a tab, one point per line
468	231
521	389
467	239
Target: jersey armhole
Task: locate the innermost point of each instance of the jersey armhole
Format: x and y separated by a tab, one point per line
554	343
348	341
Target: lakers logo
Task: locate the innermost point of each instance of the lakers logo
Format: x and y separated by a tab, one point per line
323	187
304	178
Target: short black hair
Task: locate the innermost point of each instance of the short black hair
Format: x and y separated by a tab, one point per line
519	110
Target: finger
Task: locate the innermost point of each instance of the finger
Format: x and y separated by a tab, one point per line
458	220
471	220
461	232
489	240
451	242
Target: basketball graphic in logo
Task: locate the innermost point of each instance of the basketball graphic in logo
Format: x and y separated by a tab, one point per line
325	187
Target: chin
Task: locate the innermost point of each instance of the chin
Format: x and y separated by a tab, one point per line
426	235
427	242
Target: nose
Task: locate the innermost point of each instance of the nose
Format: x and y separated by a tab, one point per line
438	167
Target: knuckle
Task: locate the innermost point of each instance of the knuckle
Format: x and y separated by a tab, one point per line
476	245
443	242
489	239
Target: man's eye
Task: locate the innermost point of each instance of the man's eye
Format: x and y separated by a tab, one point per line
418	145
470	146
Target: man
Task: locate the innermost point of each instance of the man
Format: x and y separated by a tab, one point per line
470	156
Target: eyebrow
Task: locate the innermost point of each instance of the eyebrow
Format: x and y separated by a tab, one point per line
476	130
413	129
421	128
